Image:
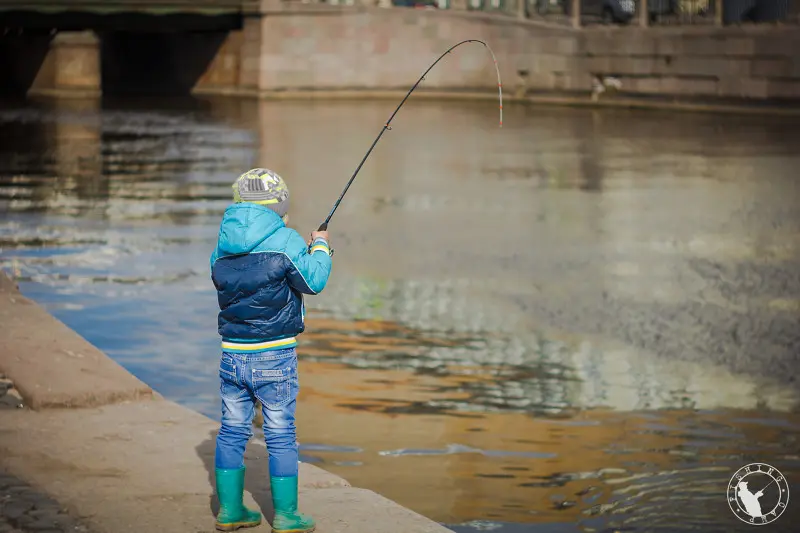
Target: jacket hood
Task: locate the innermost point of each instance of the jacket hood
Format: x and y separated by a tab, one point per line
244	226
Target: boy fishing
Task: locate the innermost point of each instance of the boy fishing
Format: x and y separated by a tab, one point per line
261	269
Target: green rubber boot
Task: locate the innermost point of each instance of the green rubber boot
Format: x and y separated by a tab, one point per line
232	512
284	500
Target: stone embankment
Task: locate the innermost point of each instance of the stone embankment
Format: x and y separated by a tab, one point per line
86	446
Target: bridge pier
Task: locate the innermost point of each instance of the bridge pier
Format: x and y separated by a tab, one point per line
234	67
71	67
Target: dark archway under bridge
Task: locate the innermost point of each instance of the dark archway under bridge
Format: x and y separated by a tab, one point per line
111	47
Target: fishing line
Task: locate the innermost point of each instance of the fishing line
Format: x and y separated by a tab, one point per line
767	485
324	225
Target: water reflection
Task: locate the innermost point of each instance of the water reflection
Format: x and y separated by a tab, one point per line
524	373
585	321
72	160
592	468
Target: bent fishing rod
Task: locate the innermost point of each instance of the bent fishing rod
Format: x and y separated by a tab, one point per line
324	225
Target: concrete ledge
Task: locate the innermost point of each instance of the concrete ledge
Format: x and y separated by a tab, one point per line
51	365
562	100
352	509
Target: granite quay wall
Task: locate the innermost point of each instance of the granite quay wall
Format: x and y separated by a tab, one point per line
326	49
289	49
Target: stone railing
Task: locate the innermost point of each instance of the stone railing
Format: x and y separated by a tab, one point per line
590	12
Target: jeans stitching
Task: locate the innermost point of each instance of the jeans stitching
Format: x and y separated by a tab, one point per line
274	406
275	357
267	375
283	387
242	362
240	392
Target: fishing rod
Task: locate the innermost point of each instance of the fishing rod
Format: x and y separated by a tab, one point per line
324	225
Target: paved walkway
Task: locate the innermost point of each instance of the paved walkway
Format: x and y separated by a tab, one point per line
122	459
22	508
148	466
9	396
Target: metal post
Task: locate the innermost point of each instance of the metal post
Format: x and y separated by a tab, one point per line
644	14
718	13
576	13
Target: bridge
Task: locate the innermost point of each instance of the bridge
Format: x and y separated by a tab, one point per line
152	7
85	48
79	47
124	14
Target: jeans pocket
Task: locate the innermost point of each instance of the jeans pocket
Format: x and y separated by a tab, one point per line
229	386
227	367
272	381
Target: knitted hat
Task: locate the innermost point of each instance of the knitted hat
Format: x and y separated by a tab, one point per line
264	187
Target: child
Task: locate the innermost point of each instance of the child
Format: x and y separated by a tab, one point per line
261	269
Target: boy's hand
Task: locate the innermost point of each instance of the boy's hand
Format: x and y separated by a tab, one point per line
321	235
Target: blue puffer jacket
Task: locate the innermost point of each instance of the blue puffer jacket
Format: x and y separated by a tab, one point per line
261	270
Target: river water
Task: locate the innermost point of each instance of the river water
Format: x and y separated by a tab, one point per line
584	321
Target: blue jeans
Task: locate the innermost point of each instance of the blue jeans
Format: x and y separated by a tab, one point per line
270	377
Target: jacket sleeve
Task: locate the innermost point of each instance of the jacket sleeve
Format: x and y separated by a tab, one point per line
308	272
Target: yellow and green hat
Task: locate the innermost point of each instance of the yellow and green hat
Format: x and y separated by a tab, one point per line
264	187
